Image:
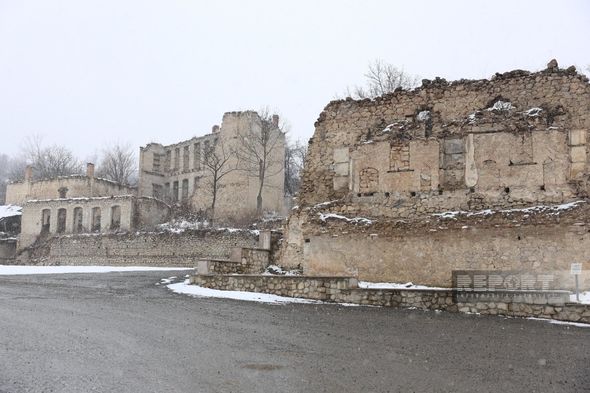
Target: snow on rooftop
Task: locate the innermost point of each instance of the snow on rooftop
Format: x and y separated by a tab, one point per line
10	211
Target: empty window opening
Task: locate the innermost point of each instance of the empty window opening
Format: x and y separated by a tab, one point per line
413	193
177	158
61	220
168	160
77	220
197	156
507	190
45	220
175	191
63	191
185	158
156	163
157	191
95	219
115	217
184	189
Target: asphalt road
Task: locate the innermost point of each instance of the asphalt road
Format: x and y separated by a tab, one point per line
119	332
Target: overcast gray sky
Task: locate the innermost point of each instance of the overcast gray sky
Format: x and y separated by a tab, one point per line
86	73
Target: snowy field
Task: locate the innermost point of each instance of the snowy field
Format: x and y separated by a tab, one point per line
10	270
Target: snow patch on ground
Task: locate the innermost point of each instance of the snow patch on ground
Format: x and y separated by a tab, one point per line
556	322
584	297
393	285
356	220
197	291
10	211
10	270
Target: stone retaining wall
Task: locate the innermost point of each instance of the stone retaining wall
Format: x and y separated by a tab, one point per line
318	288
157	249
540	304
242	261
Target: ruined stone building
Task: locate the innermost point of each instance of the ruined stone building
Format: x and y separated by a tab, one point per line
414	184
80	204
178	173
49	217
74	186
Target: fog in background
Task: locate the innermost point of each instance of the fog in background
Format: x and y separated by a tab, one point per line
87	73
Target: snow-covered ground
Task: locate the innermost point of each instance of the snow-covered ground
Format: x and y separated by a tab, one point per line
584	297
195	290
393	285
9	270
10	211
556	322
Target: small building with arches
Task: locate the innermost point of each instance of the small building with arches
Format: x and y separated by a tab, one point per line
122	213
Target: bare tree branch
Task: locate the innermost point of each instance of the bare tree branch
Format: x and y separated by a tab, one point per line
118	163
382	78
257	151
217	162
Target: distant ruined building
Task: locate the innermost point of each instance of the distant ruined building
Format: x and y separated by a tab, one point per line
179	172
415	184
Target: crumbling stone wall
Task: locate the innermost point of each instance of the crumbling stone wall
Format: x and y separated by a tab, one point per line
141	249
75	186
516	140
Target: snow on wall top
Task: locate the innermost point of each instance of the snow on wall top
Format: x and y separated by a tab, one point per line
10	211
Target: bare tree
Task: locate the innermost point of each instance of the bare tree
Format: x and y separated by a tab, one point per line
4	162
258	149
294	158
118	163
50	161
218	163
382	78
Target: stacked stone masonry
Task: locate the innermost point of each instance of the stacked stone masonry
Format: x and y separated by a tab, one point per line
147	249
378	171
540	304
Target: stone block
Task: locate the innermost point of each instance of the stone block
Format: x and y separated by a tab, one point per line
340	183
577	137
454	146
341	155
341	169
578	154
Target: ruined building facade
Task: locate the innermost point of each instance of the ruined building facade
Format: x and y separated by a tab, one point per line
74	186
179	172
414	184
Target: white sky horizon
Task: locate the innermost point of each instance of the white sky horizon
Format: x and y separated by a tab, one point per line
86	74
